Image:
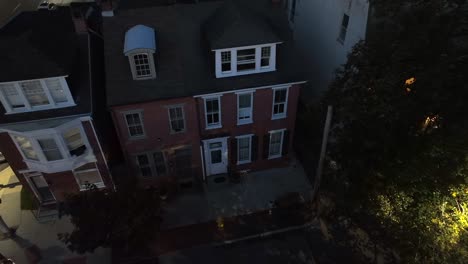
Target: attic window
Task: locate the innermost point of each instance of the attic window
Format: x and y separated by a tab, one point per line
245	60
139	47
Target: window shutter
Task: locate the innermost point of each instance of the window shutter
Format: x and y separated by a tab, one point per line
266	145
233	151
254	148
285	147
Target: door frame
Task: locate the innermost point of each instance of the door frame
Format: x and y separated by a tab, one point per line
207	155
28	176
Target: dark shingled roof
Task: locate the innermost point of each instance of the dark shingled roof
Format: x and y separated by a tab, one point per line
37	44
44	44
184	60
234	25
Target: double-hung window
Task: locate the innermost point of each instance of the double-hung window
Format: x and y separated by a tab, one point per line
226	61
151	164
266	55
13	97
134	125
246	60
50	149
142	65
276	144
213	112
34	93
343	28
176	119
244	108
244	149
280	102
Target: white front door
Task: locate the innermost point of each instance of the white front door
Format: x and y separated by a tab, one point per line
216	155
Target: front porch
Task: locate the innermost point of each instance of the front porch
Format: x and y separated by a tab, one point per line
256	191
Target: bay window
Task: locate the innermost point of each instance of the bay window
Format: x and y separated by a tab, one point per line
50	149
26	148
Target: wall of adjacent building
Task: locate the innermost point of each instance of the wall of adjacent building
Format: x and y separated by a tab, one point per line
316	28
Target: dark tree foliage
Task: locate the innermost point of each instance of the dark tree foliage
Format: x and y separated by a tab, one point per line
127	219
399	145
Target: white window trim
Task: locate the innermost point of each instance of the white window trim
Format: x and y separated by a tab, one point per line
220	125
281	144
68	162
140	114
27	107
150	54
169	107
99	185
245	121
151	163
258	68
285	113
250	149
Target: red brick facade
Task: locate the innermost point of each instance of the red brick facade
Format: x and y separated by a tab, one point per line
60	183
158	136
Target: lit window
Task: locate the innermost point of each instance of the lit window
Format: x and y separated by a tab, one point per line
246	60
12	95
226	61
26	147
243	149
212	112
34	93
56	90
142	65
89	177
74	141
50	149
280	103
266	53
244	114
134	124
176	119
276	141
344	28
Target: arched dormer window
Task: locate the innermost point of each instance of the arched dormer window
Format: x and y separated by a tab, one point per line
139	47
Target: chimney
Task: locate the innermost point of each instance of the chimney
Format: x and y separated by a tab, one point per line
107	8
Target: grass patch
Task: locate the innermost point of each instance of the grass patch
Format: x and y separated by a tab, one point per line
27	200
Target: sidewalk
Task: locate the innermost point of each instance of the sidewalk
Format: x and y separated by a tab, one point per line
32	233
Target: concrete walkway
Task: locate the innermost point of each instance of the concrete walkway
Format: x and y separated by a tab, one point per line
32	233
257	191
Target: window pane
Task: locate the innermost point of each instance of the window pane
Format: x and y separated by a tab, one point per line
142	67
225	61
34	93
244	148
245	59
176	119
88	177
134	125
216	156
275	143
12	96
159	163
144	166
280	96
56	90
245	100
26	147
50	149
265	61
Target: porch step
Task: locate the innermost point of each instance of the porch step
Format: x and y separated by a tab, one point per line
46	213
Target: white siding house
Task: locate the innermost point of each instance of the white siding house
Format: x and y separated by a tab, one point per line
325	32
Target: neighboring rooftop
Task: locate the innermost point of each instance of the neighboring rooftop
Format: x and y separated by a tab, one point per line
37	44
184	58
43	44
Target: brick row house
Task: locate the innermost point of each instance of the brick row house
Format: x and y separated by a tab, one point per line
201	91
49	117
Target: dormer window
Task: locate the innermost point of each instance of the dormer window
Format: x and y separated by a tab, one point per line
245	60
34	95
140	45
